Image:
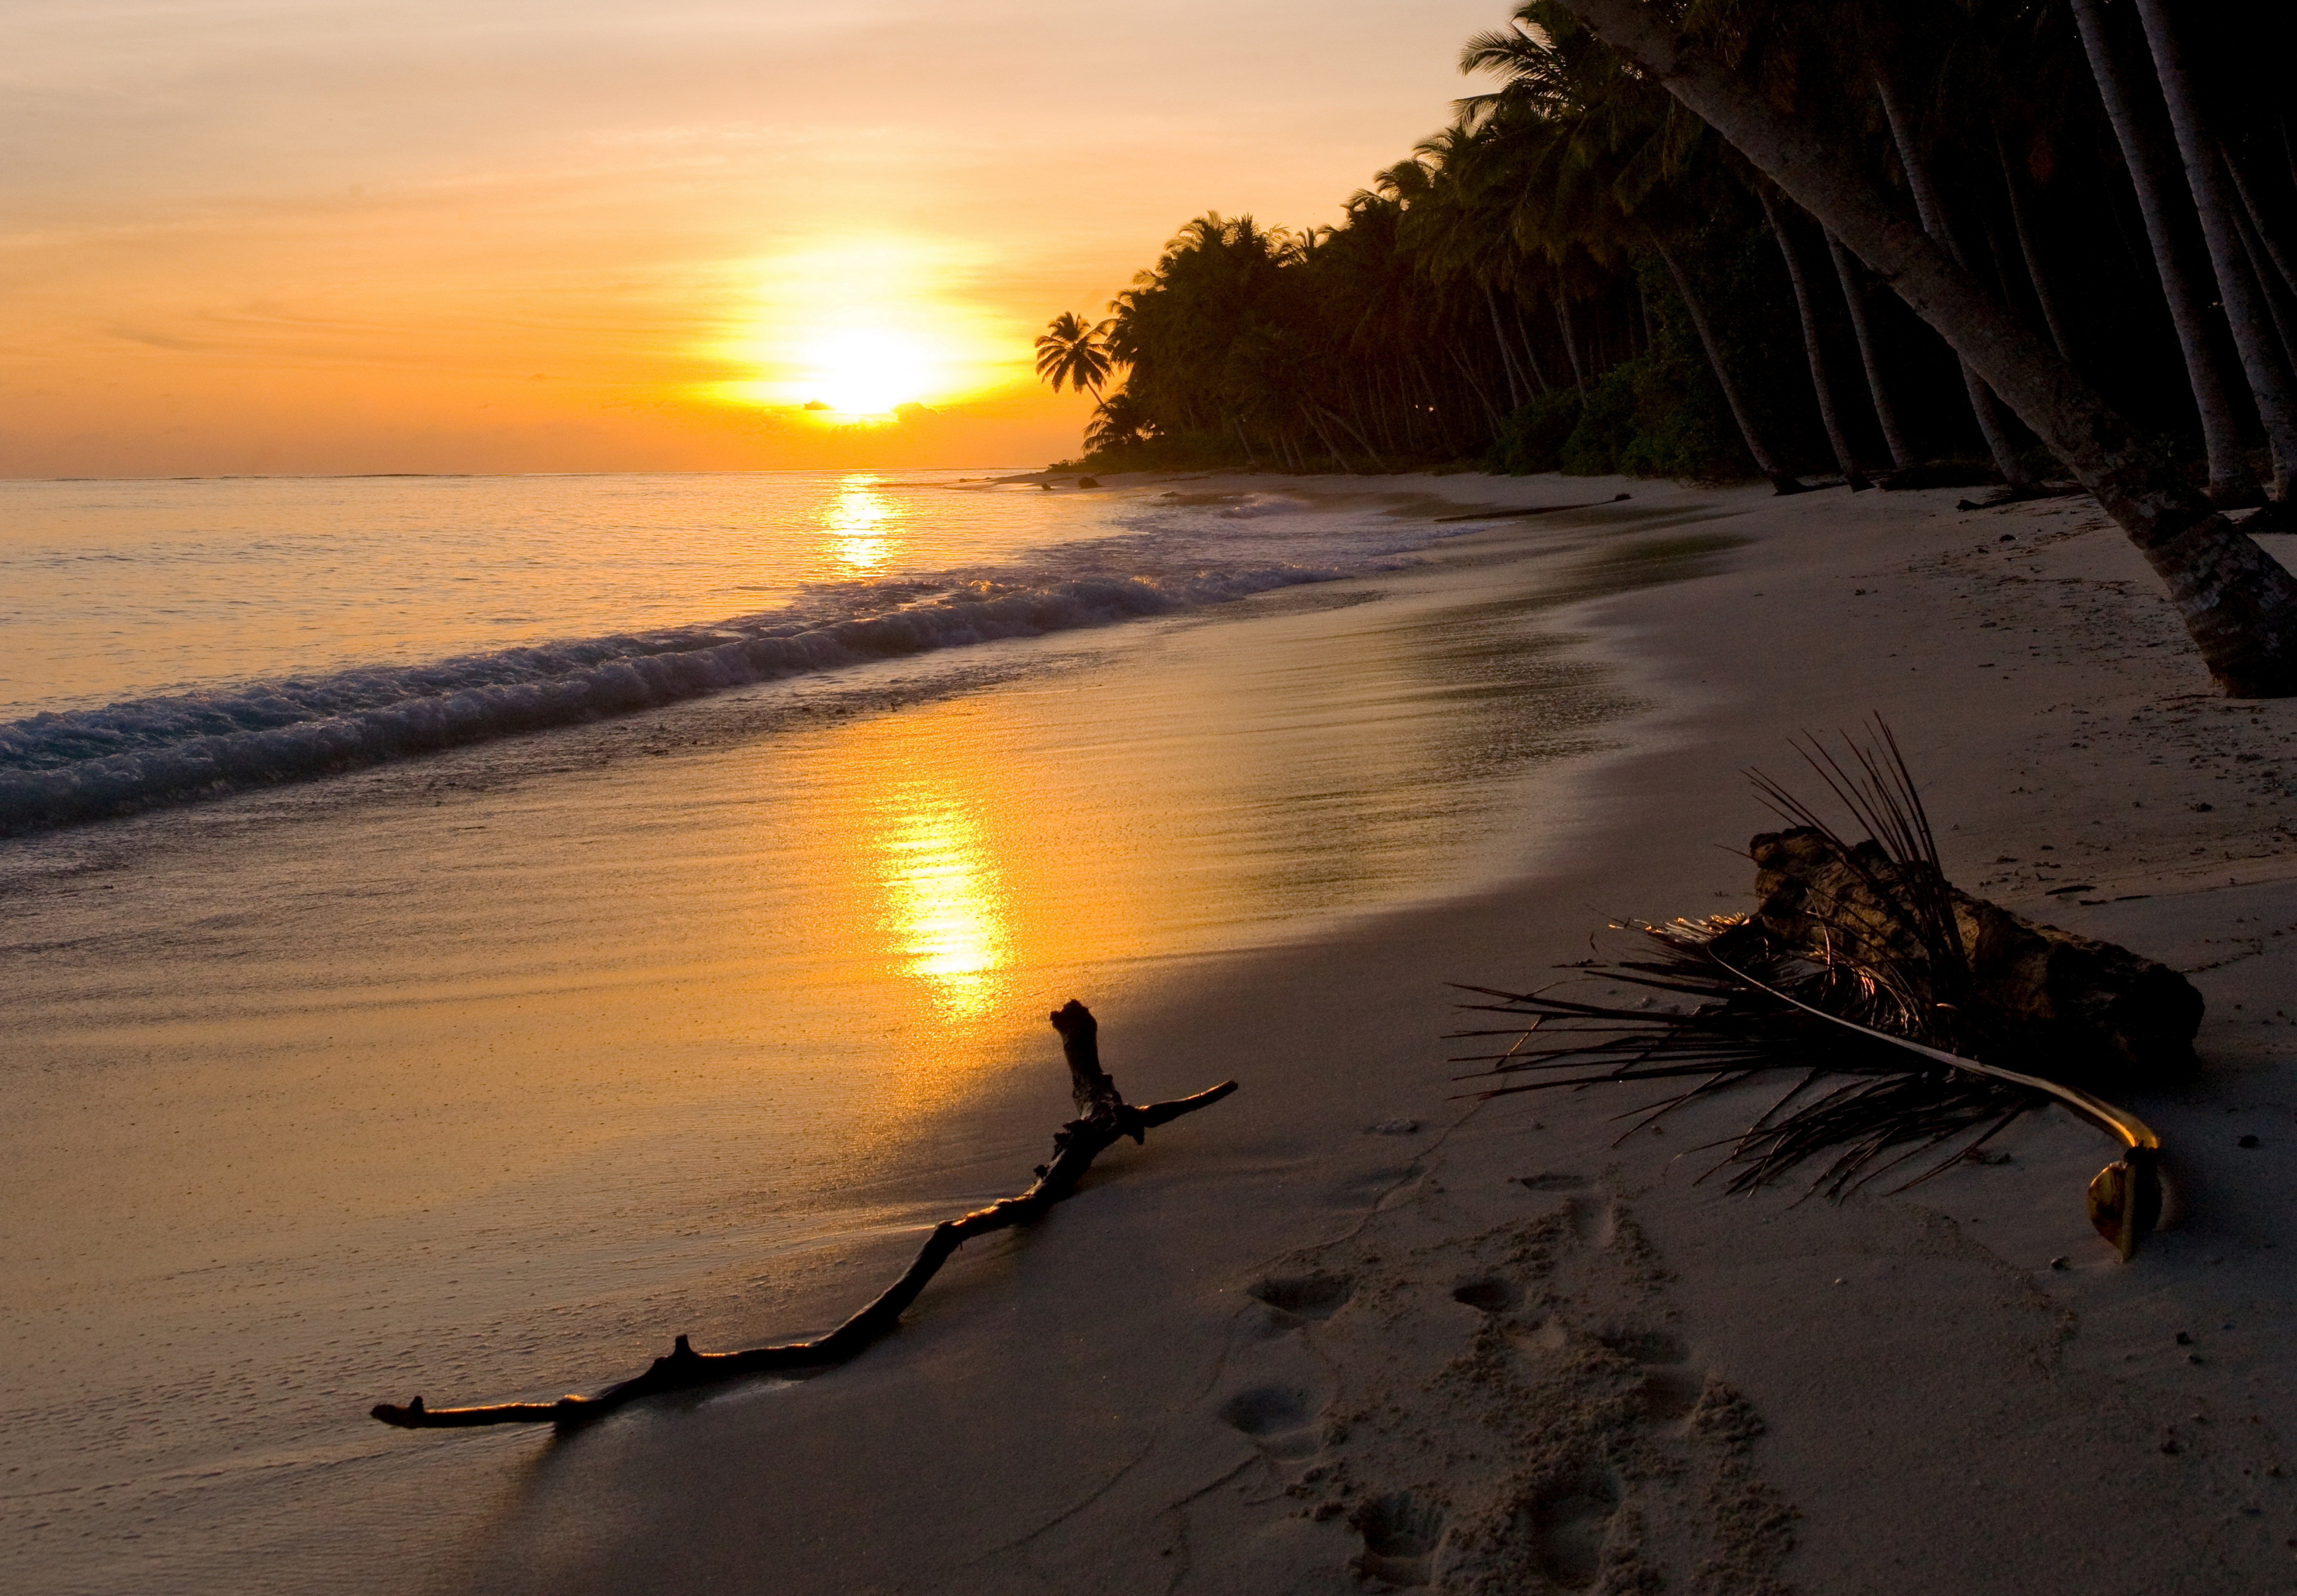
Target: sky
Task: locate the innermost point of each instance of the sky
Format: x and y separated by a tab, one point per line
438	236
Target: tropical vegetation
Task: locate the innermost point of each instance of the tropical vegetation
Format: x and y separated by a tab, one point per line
1580	273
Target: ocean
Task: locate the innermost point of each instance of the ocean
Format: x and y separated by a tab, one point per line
464	931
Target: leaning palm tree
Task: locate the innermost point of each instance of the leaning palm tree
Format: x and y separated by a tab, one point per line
1118	422
2215	202
2238	602
1073	352
2230	482
1602	161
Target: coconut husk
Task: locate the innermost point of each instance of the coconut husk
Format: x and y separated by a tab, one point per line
2086	1012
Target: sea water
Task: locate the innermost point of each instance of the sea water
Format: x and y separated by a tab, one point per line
168	639
461	932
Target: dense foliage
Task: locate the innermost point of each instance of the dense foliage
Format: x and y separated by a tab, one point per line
1528	290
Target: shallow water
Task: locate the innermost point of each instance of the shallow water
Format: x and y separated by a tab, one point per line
481	1074
167	641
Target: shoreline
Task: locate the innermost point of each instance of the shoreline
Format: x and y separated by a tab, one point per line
1547	1357
469	1076
1903	1387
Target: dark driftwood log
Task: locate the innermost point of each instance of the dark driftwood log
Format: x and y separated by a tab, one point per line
1103	1119
1593	504
2086	1012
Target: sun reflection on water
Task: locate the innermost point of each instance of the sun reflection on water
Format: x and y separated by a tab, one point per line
945	903
858	522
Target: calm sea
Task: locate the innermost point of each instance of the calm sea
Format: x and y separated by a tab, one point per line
166	639
460	932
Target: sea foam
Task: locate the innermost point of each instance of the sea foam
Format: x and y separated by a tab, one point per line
75	765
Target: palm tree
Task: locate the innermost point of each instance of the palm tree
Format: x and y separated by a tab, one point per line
1072	352
2230	479
1807	308
2238	602
1609	161
2253	336
1118	422
1886	414
1913	159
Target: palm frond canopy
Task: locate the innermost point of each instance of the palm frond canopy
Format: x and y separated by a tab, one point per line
1071	351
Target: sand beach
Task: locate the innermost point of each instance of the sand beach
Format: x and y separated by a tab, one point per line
1242	1361
1351	1328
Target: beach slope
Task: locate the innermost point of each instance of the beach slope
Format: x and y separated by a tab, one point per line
1351	1331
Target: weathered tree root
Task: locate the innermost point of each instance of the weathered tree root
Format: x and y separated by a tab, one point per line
1103	1119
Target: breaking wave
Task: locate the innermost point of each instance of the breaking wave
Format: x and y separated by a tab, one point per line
59	768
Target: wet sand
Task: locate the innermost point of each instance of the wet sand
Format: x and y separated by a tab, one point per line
1292	1347
1343	1327
469	1075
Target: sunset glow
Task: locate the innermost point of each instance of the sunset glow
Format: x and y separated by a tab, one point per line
854	331
945	911
360	238
859	522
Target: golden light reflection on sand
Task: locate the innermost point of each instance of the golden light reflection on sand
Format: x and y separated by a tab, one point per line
945	908
858	521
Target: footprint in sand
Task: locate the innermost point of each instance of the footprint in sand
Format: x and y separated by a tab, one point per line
1593	1222
1400	1534
1670	1390
1552	1182
1568	1522
1279	1419
1592	1218
1489	1294
1301	1297
1644	1346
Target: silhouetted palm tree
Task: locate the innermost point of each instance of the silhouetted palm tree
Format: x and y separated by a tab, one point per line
2238	603
1072	352
1118	422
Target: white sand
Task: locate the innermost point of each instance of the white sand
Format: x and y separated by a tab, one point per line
1237	1362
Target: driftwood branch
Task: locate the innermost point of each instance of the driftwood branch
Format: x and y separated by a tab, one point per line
1593	504
1103	1118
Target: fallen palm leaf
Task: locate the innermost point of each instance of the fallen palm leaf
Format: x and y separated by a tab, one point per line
1895	999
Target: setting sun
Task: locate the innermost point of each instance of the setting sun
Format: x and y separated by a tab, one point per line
853	330
868	371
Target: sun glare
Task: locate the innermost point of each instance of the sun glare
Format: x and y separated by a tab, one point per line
868	371
856	330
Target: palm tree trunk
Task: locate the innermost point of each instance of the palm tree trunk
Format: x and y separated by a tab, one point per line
1570	345
2021	222
1531	352
2277	300
1518	394
2238	603
1820	382
1431	398
1766	461
1251	460
1371	455
1886	414
1392	403
2230	482
1490	409
2269	236
1308	408
2269	381
1936	223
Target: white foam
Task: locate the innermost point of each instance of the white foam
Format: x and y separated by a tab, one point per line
76	764
56	768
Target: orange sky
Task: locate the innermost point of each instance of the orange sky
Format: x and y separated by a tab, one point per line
323	236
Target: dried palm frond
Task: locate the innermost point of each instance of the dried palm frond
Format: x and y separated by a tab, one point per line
1870	1015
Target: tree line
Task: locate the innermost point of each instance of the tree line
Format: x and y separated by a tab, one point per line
1581	272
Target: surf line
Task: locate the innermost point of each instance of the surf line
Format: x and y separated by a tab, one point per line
1537	510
